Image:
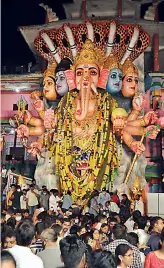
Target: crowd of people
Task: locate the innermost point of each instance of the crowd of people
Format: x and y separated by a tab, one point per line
41	228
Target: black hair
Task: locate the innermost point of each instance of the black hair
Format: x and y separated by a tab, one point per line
57	228
42	215
121	249
13	185
162	235
6	256
74	230
119	231
136	214
72	250
26	210
104	225
113	220
133	239
69	192
64	65
31	185
10	233
39	227
13	168
154	220
11	222
141	221
124	195
25	233
103	259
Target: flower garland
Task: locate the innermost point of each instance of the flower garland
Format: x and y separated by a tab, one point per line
103	157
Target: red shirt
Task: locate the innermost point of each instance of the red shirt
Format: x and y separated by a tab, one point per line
152	261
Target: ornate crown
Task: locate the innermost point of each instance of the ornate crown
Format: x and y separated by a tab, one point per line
89	54
50	71
129	67
137	185
111	62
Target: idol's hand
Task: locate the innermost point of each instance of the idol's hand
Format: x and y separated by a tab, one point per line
27	117
152	132
35	148
119	123
38	105
138	102
137	147
150	118
22	131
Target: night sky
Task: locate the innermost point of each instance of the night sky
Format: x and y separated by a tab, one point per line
16	13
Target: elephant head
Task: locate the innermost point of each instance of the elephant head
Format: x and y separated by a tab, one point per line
86	82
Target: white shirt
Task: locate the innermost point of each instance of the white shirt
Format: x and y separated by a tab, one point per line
143	236
53	202
113	207
4	172
139	205
25	258
23	202
32	199
103	198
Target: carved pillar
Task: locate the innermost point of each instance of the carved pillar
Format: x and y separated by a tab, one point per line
156	52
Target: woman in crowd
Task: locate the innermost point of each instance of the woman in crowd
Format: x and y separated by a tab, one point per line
124	255
155	259
95	234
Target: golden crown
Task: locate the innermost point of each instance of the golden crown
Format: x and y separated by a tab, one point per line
89	54
129	67
111	63
136	183
50	71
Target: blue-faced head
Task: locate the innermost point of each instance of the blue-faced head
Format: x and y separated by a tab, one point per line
114	82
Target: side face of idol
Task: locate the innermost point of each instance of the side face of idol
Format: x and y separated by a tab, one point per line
61	83
130	85
49	89
114	82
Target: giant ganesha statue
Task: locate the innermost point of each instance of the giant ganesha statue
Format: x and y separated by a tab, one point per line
91	107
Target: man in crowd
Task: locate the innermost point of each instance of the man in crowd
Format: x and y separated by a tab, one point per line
103	197
25	233
49	237
73	252
119	233
9	239
138	204
156	224
32	199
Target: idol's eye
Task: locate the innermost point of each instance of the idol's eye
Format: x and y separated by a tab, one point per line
62	78
49	83
129	79
79	73
113	76
93	72
136	81
120	76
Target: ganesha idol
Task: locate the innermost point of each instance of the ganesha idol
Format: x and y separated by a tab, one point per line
85	125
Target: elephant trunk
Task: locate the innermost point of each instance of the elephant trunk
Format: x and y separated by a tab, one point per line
82	107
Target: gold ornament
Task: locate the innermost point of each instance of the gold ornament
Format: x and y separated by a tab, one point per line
129	67
118	113
89	54
136	187
50	71
111	63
